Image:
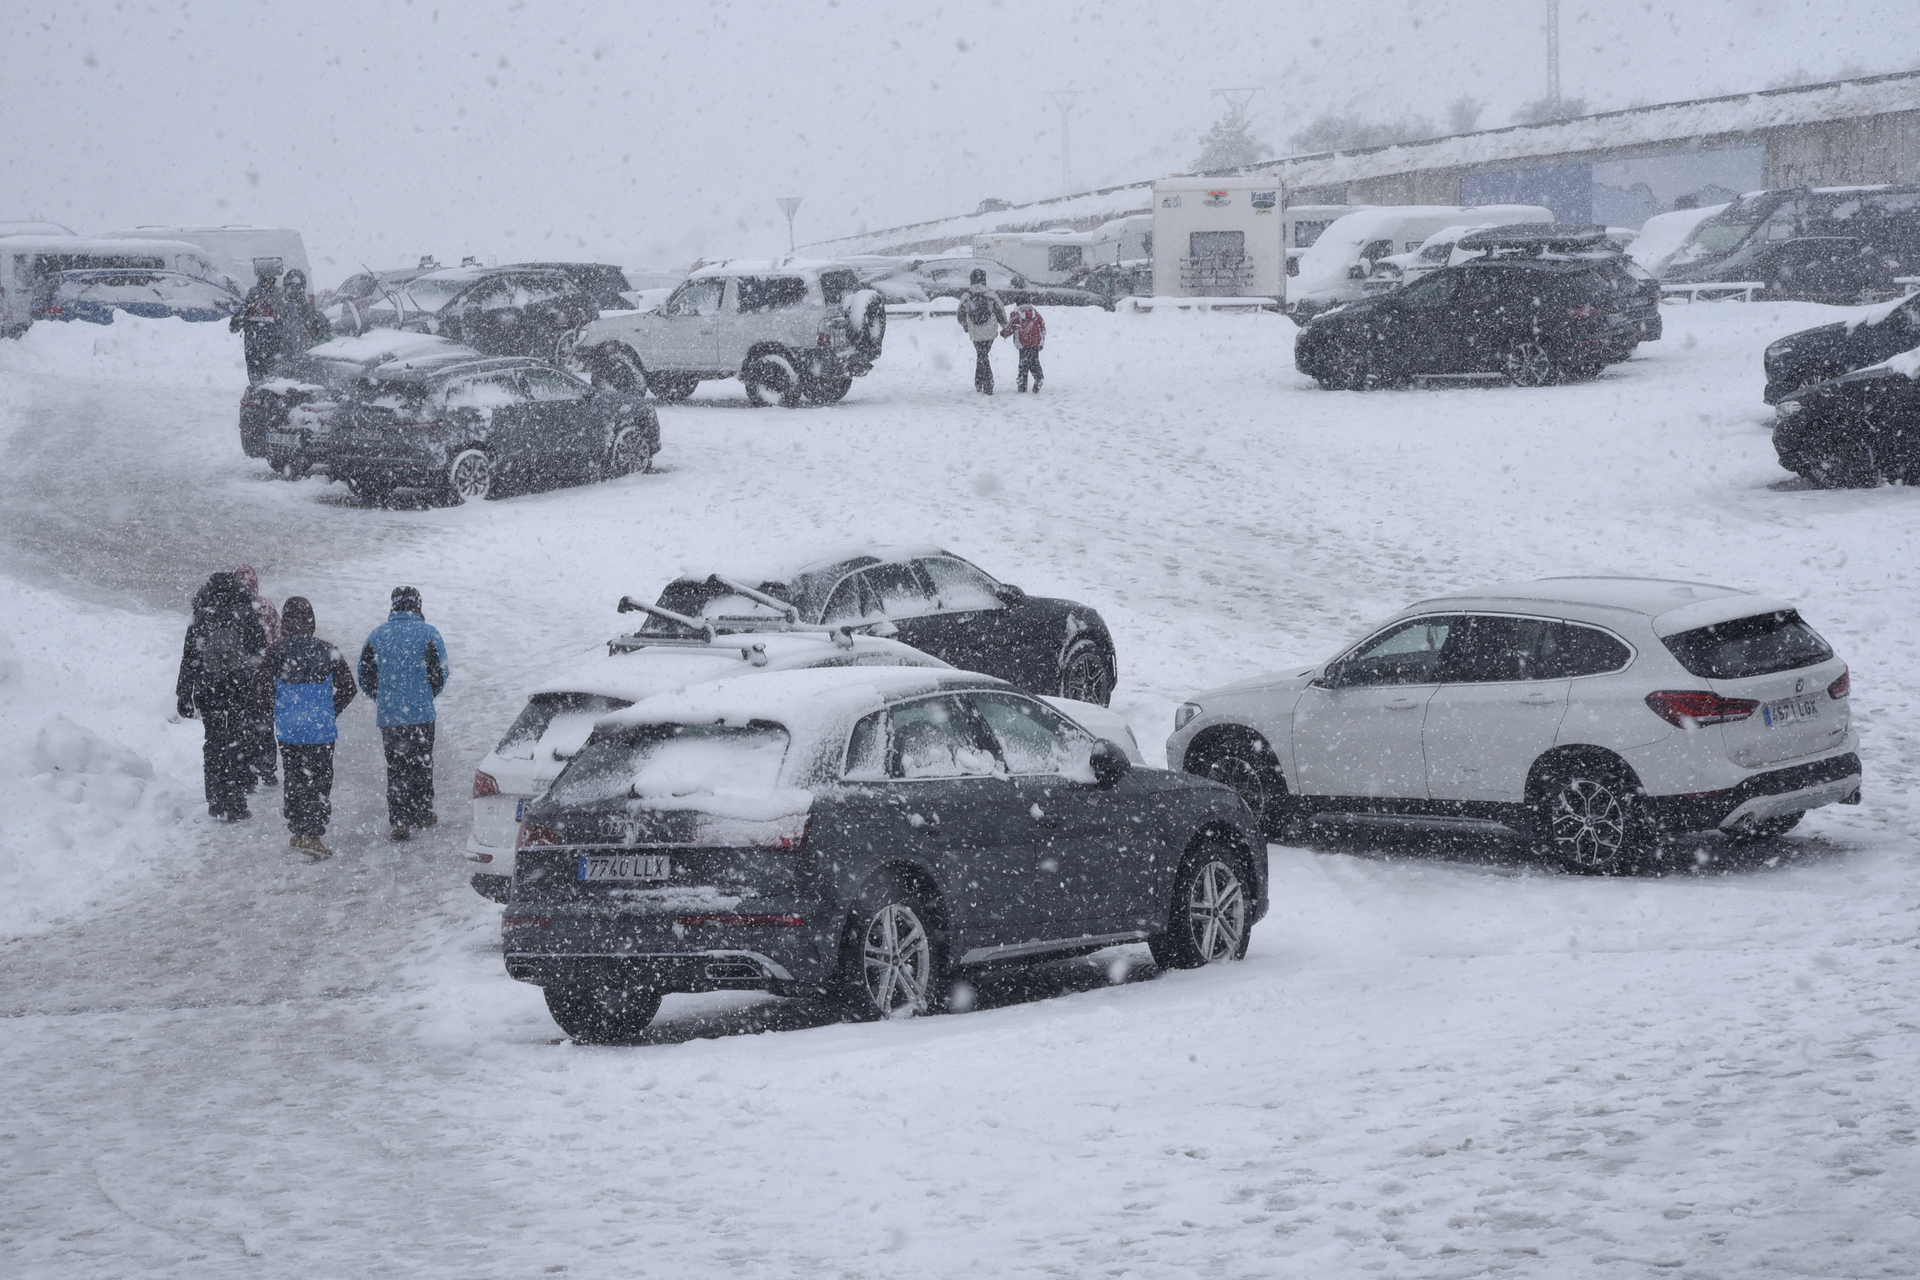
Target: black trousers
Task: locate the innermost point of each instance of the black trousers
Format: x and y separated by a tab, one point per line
1030	364
261	746
306	787
409	750
983	367
227	757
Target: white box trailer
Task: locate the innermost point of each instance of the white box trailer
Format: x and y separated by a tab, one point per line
1219	237
1049	257
233	248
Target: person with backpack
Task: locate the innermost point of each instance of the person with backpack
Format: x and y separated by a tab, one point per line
1029	333
403	667
265	758
982	316
308	685
224	647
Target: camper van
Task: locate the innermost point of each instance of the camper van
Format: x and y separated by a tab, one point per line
1334	270
28	265
1049	257
1219	237
233	249
1305	222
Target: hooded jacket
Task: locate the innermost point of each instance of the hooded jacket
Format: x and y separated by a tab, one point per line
990	330
1025	326
404	667
305	681
262	607
222	603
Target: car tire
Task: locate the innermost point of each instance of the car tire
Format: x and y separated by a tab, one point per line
601	1010
1245	763
867	314
469	477
1087	674
615	366
1211	919
771	379
1852	468
1531	364
631	452
828	390
892	957
1588	819
671	388
369	488
1771	829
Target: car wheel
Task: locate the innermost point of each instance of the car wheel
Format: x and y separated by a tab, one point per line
1248	766
1086	675
469	476
1530	364
826	390
1211	919
1854	467
891	962
771	379
616	367
601	1010
1767	830
1588	820
631	452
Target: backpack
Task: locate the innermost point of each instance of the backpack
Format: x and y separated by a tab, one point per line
980	309
221	653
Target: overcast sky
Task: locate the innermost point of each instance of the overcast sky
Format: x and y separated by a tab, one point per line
651	134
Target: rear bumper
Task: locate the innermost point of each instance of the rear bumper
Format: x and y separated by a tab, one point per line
721	969
696	944
1776	793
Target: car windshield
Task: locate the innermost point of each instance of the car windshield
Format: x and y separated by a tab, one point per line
431	295
1757	646
674	766
1724	232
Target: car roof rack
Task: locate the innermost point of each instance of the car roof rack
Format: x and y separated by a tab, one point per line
708	632
1534	238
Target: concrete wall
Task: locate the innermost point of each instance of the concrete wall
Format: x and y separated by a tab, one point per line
1841	152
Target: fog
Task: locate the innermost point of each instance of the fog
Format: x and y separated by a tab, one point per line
652	135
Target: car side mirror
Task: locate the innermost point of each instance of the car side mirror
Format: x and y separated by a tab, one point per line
1009	594
1109	762
1331	677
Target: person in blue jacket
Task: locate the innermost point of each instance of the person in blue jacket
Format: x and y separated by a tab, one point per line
403	667
308	684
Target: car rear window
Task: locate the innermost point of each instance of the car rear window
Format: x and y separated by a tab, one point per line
542	710
1756	646
674	766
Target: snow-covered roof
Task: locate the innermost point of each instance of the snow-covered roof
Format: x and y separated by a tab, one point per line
377	345
1650	596
634	674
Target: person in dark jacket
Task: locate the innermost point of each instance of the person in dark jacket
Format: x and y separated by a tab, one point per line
308	685
266	764
983	317
222	608
259	319
301	324
403	667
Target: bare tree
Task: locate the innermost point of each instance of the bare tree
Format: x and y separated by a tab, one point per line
1352	132
1463	113
1230	143
1547	110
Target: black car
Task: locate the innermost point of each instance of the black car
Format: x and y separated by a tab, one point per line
606	285
868	833
1829	350
313	378
1118	279
1855	430
1535	320
502	311
474	429
1638	289
1841	245
936	602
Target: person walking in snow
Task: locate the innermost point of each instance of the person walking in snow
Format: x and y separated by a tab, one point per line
264	761
982	316
224	648
308	685
259	319
1029	332
403	667
302	324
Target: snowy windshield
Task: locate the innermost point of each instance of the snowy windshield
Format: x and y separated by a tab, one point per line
1723	234
674	766
431	295
571	715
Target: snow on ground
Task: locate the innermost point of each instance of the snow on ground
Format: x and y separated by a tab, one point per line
1433	1063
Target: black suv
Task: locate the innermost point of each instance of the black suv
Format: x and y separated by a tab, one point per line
1841	245
1829	350
1532	318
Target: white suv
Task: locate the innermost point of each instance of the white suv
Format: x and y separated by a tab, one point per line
791	333
1589	714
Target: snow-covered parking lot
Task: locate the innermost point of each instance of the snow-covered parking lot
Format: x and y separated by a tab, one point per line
223	1062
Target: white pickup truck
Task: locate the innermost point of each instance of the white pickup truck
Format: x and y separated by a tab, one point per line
792	333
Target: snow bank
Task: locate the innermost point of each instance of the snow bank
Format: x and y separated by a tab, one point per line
166	351
90	770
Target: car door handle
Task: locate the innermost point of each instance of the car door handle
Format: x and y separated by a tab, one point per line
1403	704
1537	699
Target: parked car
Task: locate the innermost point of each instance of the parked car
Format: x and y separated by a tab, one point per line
502	311
1333	270
866	834
94	296
606	285
1588	715
1132	279
930	599
313	380
1856	430
1829	350
1534	321
468	430
950	277
792	333
1603	247
1824	244
364	286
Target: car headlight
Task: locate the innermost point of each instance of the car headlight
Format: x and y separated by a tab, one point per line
1787	408
1184	714
1779	349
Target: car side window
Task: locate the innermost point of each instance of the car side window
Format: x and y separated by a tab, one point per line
486	295
936	738
494	391
551	384
1585	651
1435	291
867	749
958	587
895	591
1490	648
1406	654
696	298
844	604
771	293
1033	738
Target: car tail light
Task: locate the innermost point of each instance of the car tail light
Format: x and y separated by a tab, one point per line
51	312
786	834
826	339
1842	686
524	922
534	836
1583	313
251	404
484	785
1687	709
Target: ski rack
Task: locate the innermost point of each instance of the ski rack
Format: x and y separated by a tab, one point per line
707	633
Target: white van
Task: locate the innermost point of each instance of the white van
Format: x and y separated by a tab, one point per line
1049	257
1335	269
233	248
26	262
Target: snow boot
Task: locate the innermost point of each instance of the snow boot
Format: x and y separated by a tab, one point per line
429	820
311	846
400	833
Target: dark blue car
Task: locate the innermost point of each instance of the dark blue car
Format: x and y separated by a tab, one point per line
95	295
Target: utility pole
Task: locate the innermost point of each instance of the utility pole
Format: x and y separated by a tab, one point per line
1063	99
1553	52
1237	99
789	205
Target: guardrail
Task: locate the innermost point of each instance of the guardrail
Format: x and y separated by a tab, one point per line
921	310
1205	303
1712	291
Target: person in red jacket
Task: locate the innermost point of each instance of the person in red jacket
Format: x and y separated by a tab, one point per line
1029	333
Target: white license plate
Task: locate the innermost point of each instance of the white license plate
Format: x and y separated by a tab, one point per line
289	438
1790	711
625	866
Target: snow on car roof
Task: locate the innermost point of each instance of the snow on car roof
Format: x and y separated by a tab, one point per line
657	668
1651	596
379	345
767	267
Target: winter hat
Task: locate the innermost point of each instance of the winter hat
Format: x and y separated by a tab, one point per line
979	276
406	600
296	616
248	578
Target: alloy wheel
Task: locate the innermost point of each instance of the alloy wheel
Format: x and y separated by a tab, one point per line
1530	364
897	962
1217	913
1589	825
1242	775
1085	678
470	477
